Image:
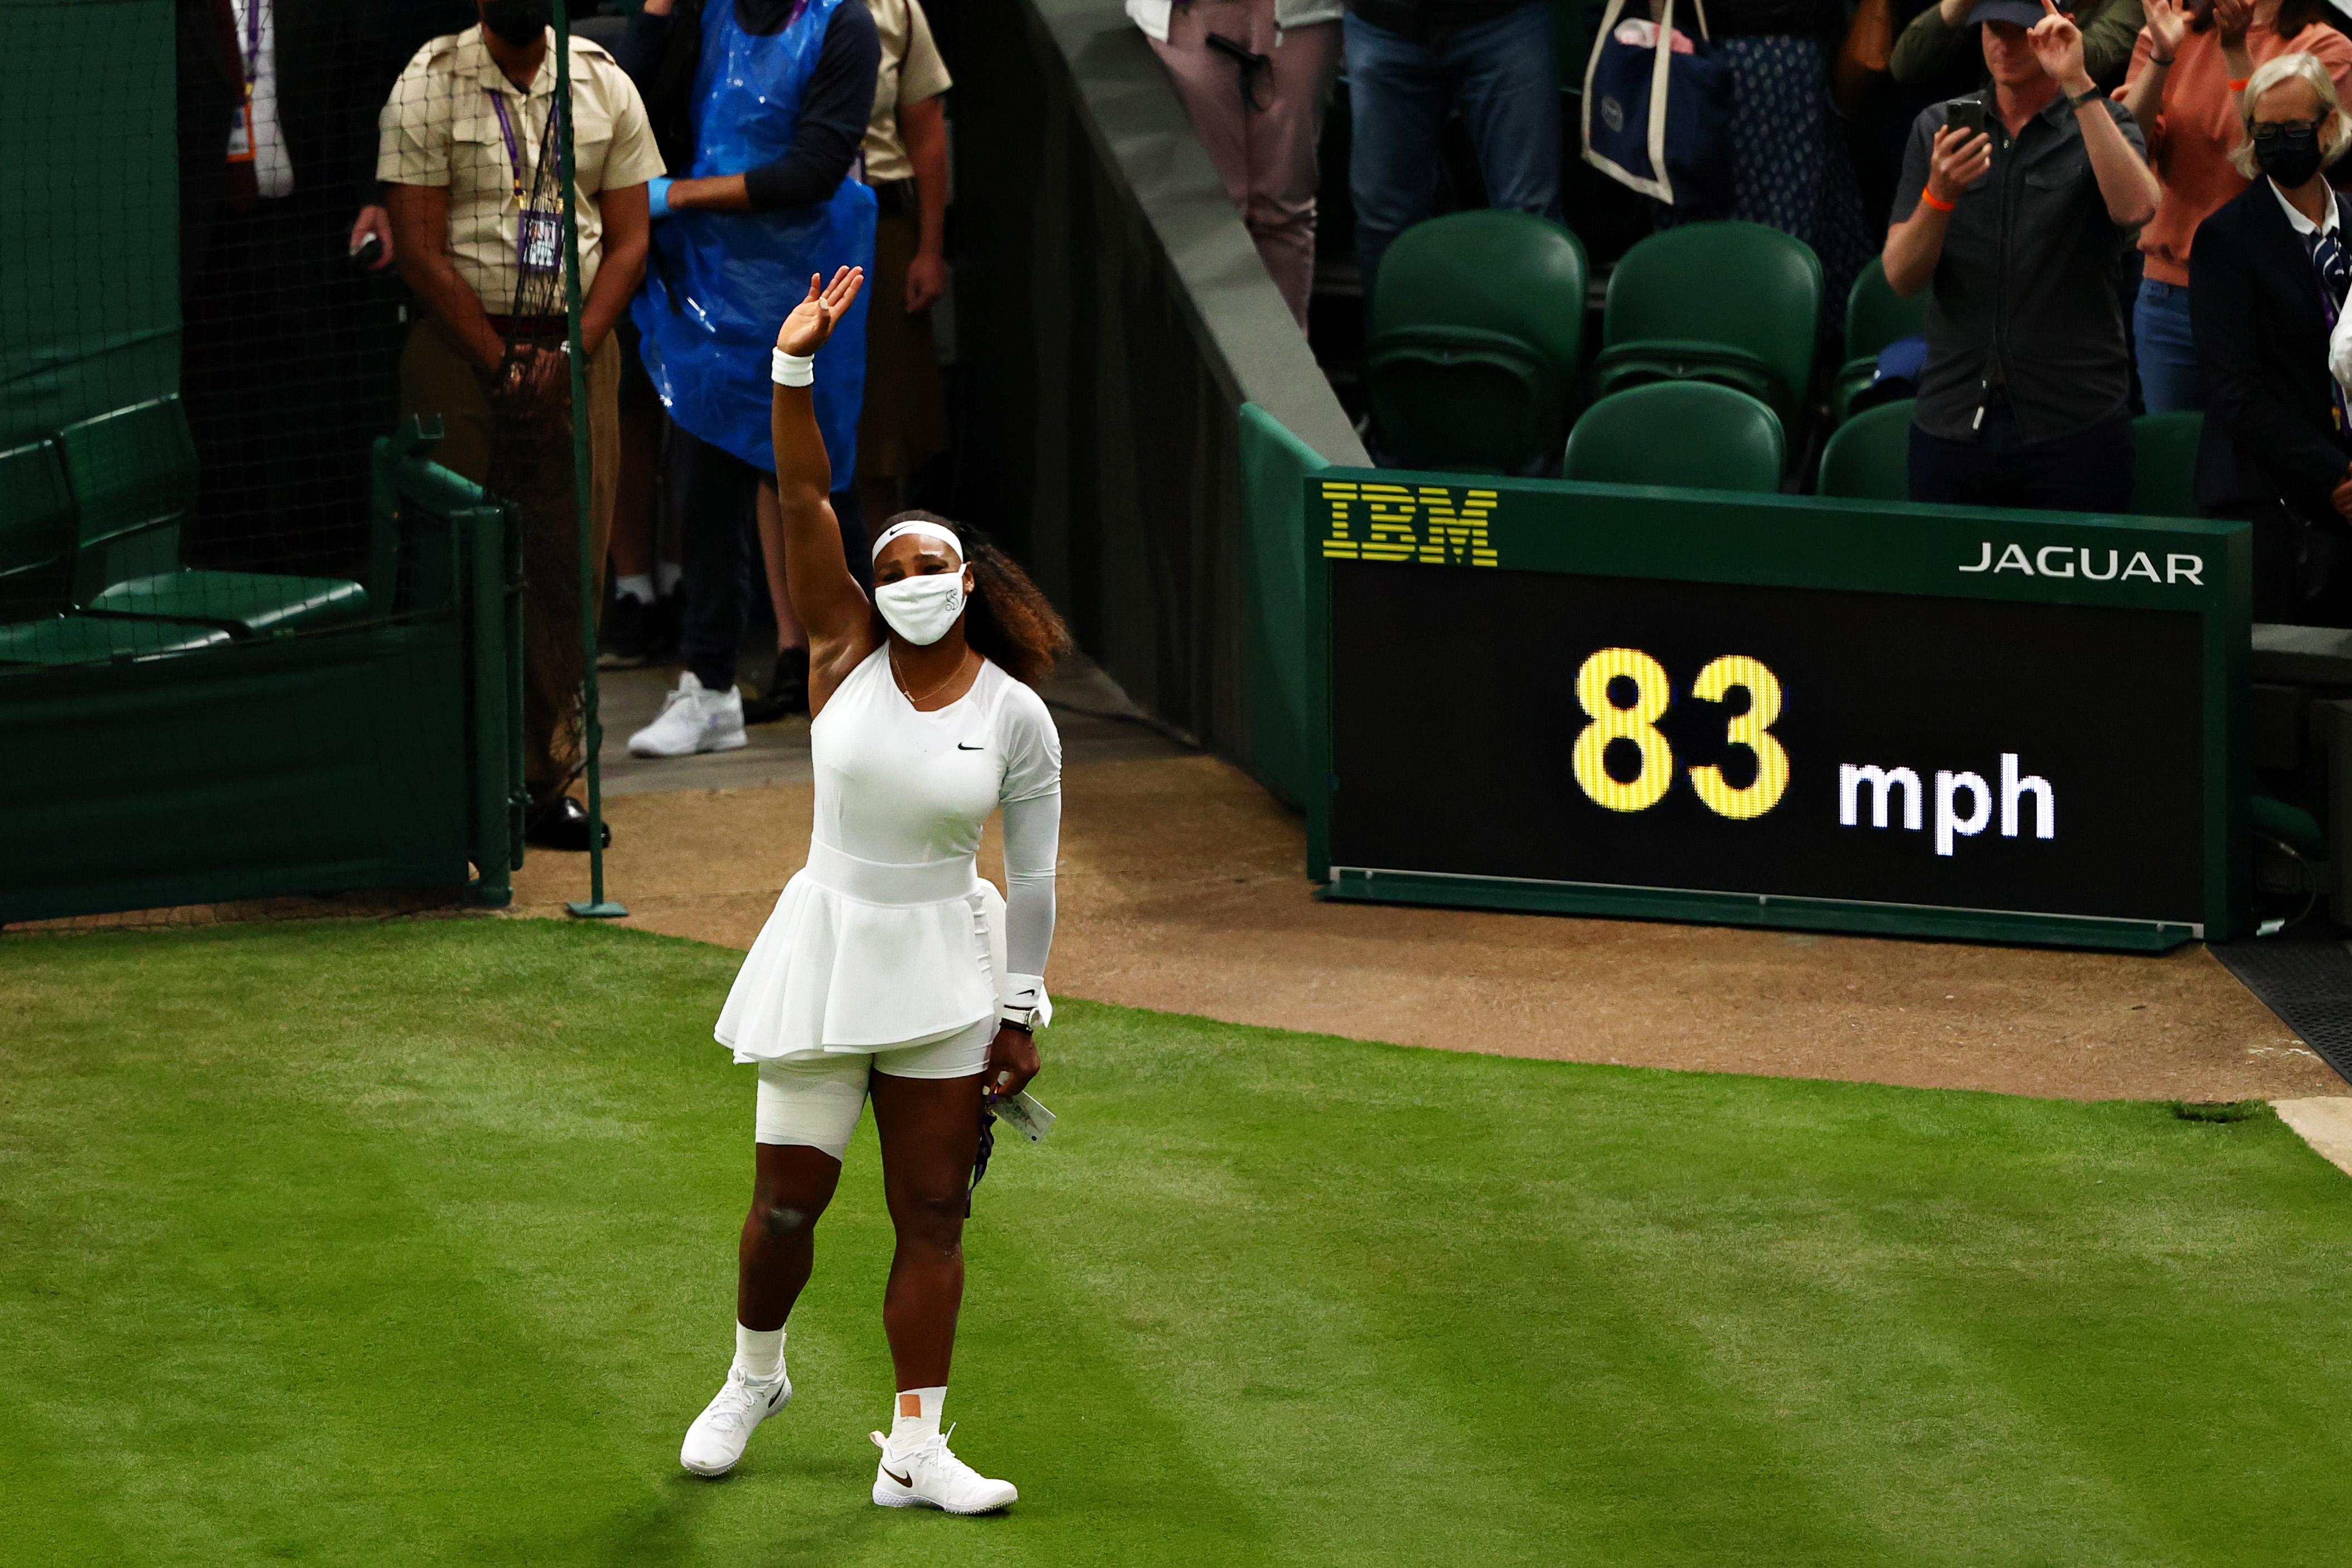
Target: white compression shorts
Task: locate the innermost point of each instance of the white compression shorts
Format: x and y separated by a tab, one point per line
816	1100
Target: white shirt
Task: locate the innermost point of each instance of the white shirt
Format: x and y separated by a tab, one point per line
2339	342
273	170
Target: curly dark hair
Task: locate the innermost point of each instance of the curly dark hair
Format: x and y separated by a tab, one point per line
1006	618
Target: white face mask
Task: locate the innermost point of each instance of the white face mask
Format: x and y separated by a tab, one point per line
921	609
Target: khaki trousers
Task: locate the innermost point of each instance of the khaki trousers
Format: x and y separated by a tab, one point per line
437	381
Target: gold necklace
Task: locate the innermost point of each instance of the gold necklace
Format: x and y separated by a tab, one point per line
916	702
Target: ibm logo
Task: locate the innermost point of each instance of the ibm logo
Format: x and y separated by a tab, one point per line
1428	524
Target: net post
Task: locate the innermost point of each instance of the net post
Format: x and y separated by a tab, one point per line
592	735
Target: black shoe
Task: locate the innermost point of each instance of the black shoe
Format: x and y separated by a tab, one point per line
629	634
787	689
562	824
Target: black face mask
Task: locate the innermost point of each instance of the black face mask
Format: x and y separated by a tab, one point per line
519	22
2289	154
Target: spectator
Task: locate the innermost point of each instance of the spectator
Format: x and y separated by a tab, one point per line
763	104
2180	92
905	421
2025	397
1789	166
1935	48
2268	287
466	132
1255	76
1407	61
277	140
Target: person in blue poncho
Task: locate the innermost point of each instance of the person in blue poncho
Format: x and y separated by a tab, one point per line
763	105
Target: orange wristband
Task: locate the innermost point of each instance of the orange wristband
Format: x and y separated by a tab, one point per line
1929	197
2239	84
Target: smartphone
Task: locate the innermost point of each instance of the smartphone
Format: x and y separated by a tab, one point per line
1024	1115
1968	116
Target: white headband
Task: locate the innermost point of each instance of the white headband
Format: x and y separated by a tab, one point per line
917	525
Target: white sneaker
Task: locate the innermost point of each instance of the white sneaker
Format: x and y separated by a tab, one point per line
692	720
928	1476
717	1438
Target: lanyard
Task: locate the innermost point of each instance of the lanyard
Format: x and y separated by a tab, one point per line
505	129
252	43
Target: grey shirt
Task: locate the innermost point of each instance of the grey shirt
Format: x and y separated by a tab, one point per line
2024	299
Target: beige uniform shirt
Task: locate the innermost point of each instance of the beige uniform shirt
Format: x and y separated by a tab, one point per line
911	71
440	127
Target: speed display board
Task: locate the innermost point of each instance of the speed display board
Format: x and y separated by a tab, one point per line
2011	726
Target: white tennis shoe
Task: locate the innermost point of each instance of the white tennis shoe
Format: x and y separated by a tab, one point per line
927	1475
693	718
719	1435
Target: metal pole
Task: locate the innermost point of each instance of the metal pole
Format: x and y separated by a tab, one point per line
592	733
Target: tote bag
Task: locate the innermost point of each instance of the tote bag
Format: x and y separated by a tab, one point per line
1659	121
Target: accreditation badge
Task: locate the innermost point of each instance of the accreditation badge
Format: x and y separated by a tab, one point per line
240	135
539	241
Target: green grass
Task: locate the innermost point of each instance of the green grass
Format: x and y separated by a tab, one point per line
414	1244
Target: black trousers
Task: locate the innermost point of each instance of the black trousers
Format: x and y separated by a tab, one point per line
718	539
2090	470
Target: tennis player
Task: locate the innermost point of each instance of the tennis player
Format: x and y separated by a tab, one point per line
890	971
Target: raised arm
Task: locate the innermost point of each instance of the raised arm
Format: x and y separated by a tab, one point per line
825	597
2126	182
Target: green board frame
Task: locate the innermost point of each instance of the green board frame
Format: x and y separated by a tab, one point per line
1771	541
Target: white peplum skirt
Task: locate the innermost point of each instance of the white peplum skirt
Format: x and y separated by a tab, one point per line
862	956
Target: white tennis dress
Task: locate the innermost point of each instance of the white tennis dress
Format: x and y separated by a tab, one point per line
888	937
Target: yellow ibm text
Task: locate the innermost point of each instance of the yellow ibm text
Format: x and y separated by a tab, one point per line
1428	524
1652	695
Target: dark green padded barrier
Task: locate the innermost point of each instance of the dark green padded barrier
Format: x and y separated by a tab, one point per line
386	754
1273	461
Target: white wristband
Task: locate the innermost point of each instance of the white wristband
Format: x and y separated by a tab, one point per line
791	369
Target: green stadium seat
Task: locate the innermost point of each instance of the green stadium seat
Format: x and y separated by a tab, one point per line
1869	457
1690	435
133	475
92	639
1875	316
1477	324
2164	468
250	604
1733	303
36	531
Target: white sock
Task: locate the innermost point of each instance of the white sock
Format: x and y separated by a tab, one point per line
919	1415
669	574
637	585
760	1353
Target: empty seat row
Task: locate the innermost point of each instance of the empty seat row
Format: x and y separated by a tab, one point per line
1475	361
90	551
1697	435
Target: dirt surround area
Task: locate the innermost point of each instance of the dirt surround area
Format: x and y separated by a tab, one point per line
1183	886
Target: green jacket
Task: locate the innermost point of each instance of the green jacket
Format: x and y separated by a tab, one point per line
1929	47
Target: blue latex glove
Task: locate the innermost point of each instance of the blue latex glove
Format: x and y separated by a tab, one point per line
657	196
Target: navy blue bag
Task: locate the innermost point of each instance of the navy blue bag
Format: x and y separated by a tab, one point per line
1658	120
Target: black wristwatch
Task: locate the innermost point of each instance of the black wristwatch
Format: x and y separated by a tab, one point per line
2075	103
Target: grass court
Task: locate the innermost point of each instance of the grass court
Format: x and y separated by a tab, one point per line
414	1243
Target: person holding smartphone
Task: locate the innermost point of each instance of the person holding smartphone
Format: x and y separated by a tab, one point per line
2017	202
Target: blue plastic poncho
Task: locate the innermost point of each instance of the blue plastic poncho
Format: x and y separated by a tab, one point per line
721	283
